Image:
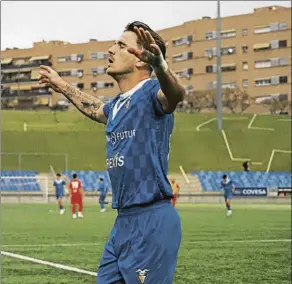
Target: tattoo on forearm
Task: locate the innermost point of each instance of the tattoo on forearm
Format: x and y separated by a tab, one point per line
87	104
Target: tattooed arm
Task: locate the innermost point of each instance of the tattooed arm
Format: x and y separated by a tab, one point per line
89	105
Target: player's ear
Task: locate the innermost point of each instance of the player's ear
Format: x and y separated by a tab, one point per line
140	64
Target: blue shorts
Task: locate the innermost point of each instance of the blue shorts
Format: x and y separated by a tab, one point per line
59	195
229	196
143	246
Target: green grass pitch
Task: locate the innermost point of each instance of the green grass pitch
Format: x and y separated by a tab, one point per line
253	246
84	141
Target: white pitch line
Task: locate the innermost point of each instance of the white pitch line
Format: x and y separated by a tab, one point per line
284	119
243	241
231	155
216	241
272	157
50	245
257	128
204	123
48	263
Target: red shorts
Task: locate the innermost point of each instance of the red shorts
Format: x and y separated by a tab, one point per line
76	199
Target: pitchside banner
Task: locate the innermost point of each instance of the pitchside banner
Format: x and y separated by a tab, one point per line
251	191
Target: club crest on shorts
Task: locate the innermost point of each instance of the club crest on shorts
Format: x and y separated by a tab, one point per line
142	275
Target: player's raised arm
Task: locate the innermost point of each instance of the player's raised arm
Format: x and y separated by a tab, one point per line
172	90
89	105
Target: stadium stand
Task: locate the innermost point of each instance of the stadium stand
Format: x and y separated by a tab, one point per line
19	181
210	181
89	179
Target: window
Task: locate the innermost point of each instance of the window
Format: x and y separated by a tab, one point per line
244	49
231	85
282	26
245	83
262	46
187	72
209	69
64	73
98	70
283	97
76	57
80	73
189	88
282	43
264	29
228	50
182	56
101	85
64	59
182	41
108	85
283	79
283	61
99	55
245	65
229	33
263	64
210	52
263	82
244	32
80	86
228	67
210	35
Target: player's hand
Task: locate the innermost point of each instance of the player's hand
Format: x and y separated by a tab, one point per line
150	52
51	78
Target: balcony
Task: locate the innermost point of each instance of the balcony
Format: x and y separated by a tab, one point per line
21	80
7	93
28	65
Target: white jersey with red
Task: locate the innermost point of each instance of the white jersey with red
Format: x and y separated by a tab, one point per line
75	186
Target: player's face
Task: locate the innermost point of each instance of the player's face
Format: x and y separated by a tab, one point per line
121	62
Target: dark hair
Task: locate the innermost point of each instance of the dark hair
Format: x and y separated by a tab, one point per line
101	179
224	176
158	39
74	175
58	175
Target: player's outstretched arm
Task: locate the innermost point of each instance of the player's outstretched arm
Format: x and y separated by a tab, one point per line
89	105
172	91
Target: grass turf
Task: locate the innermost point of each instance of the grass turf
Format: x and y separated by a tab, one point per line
84	141
209	253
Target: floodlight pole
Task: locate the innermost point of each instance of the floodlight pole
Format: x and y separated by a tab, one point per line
219	77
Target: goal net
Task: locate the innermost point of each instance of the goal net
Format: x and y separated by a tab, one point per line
26	189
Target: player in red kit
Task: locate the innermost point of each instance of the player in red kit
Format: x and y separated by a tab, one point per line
76	194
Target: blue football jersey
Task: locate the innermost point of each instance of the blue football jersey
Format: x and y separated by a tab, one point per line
138	141
227	186
59	185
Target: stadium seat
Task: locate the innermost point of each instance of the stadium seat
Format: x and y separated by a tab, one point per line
211	181
23	184
89	178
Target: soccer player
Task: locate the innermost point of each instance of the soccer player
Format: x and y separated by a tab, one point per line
228	188
102	194
175	190
76	194
139	122
59	186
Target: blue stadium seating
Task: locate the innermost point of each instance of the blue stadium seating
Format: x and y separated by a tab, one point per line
25	184
89	179
211	181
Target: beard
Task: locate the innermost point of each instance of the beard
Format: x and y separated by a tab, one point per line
118	74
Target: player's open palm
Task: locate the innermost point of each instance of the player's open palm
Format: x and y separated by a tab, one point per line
151	52
51	78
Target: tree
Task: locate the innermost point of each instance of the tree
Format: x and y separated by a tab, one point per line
275	105
236	100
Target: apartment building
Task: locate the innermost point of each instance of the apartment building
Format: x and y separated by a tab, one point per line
255	49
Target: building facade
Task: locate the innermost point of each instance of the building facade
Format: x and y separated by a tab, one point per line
255	49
